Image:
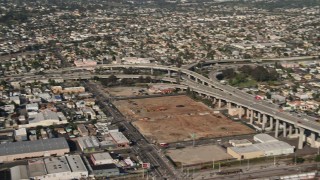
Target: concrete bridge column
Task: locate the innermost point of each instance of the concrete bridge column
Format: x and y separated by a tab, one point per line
169	73
284	124
196	79
271	123
313	140
251	116
151	70
264	121
214	100
240	112
290	130
229	105
259	118
248	113
301	138
277	129
219	103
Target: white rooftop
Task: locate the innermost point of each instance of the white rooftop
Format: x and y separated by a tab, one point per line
119	137
245	149
270	146
264	138
20	132
101	156
56	165
76	163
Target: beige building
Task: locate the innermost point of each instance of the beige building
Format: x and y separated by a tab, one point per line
245	152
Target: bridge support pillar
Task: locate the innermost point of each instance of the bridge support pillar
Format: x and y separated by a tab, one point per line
248	113
219	103
229	105
264	121
169	73
240	112
214	100
301	138
271	123
259	118
277	129
151	70
290	130
203	83
196	79
313	140
284	125
251	116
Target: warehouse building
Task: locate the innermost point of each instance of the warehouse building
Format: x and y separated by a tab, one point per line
267	146
263	138
52	168
88	143
245	152
101	158
38	148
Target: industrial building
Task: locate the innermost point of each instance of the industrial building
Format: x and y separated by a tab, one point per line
267	146
241	142
52	168
88	143
38	148
101	158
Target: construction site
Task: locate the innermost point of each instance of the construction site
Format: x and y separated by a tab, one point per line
178	118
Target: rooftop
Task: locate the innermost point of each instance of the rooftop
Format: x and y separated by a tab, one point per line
245	149
101	156
33	146
264	138
56	165
76	164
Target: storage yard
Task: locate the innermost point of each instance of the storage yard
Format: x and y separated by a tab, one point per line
126	91
191	156
176	118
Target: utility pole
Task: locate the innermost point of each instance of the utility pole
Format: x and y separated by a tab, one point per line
274	160
213	164
248	165
219	167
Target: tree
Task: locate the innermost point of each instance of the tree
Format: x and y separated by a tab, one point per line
317	158
228	73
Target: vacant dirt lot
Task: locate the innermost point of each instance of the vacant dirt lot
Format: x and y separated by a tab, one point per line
191	155
175	118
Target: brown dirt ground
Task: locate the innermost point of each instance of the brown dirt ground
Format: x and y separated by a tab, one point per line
174	118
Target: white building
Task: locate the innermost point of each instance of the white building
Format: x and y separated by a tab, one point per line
263	138
15	99
20	134
32	107
62	168
101	158
44	118
275	148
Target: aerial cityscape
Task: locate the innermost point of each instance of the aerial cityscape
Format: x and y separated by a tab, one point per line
159	89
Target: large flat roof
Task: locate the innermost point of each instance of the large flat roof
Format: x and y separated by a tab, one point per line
76	163
270	146
56	165
33	146
245	149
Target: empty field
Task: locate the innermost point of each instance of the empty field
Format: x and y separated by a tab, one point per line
175	118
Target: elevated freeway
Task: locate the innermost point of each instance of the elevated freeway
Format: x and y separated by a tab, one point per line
266	113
